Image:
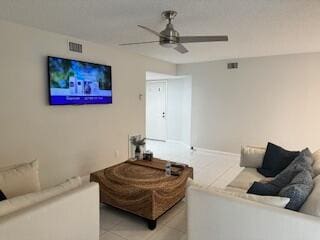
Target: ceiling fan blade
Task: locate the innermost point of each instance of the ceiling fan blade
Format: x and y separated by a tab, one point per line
152	31
191	39
136	43
181	49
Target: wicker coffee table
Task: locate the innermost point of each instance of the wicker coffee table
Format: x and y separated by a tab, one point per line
142	188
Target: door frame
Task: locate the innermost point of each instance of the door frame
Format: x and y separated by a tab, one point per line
165	81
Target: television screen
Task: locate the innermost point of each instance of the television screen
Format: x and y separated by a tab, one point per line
77	82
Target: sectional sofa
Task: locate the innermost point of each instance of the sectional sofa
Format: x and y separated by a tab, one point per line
68	211
230	214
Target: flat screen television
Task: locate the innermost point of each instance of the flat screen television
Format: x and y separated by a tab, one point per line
76	82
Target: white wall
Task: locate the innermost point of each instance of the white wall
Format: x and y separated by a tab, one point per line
179	109
67	140
267	99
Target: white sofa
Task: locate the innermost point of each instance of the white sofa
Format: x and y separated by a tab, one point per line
217	215
69	211
73	215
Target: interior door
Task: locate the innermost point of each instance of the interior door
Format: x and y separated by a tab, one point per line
156	101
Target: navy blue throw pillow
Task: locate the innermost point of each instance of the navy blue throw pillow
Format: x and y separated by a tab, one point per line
264	189
2	196
275	160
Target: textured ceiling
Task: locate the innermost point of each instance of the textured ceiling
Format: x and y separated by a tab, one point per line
255	27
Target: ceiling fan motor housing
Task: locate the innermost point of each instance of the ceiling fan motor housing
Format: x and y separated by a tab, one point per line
172	37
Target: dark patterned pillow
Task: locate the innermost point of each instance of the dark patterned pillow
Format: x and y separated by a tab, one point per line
275	160
264	189
298	190
2	196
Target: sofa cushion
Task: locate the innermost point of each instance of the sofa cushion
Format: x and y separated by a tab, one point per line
316	163
7	167
252	157
312	204
234	189
272	201
246	178
20	179
269	200
276	159
20	202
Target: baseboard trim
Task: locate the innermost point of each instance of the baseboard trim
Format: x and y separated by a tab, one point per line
205	150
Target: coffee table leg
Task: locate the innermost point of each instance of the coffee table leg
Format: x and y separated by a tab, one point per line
152	224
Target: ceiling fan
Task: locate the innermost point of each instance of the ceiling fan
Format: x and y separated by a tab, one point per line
170	38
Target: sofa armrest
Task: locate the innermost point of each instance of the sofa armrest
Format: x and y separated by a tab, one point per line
73	215
217	216
252	156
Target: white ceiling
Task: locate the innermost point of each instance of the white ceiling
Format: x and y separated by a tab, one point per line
255	27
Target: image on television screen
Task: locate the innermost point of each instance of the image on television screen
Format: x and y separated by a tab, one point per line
77	82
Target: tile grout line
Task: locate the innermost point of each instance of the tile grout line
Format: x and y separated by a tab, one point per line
118	235
178	230
217	178
111	227
111	234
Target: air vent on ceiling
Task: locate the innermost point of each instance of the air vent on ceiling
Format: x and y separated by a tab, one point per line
232	65
75	47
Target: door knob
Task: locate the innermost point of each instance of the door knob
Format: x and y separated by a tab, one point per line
163	114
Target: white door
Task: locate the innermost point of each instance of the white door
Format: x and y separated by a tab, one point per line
156	100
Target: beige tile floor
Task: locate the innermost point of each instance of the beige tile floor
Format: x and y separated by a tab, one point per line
210	169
